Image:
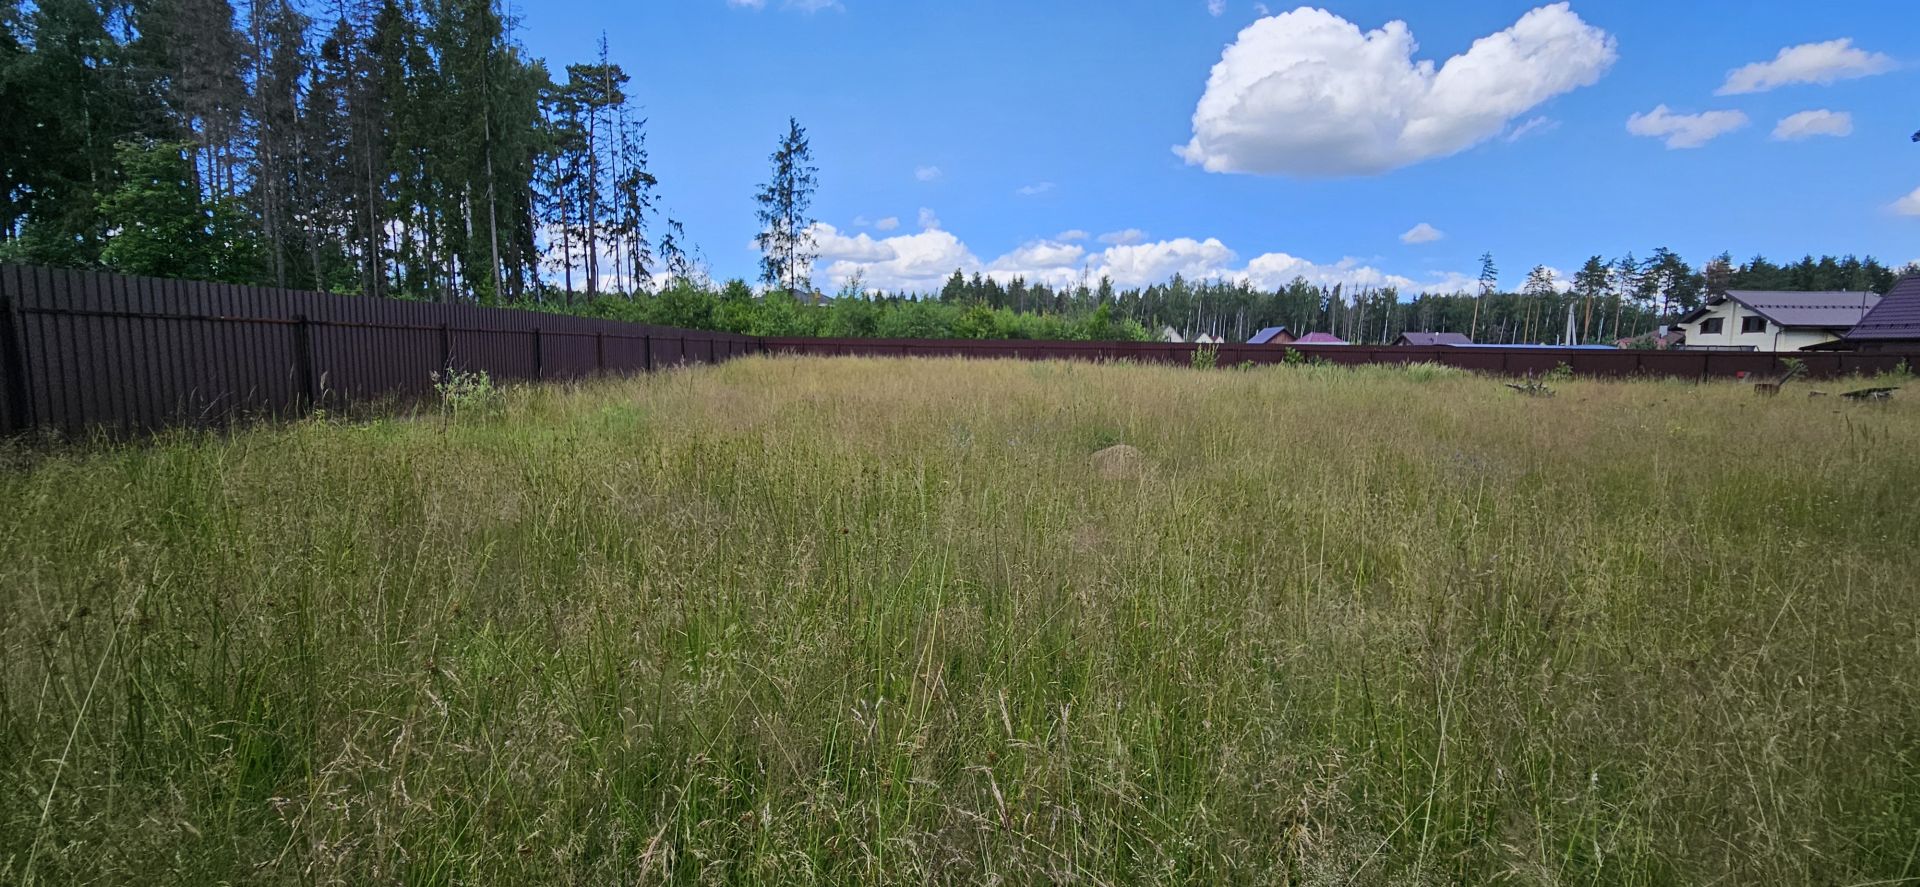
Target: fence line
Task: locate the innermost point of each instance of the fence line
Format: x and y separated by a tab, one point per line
83	350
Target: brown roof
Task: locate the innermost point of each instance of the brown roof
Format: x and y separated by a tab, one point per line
1897	317
1830	310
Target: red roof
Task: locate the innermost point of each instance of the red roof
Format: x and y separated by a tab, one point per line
1320	339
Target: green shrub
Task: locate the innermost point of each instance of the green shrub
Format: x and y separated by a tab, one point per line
467	394
1429	371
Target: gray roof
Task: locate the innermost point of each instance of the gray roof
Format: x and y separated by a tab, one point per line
1896	317
1831	311
1425	340
1267	335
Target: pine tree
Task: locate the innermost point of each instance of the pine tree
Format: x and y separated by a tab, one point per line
1719	275
786	236
673	254
1489	283
1624	285
1591	284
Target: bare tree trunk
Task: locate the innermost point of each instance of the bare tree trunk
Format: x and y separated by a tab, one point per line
493	203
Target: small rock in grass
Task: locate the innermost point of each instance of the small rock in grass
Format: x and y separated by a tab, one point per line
1120	462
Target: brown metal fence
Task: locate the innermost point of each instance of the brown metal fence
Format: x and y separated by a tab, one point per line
1507	361
83	350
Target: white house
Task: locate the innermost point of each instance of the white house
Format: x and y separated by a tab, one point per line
1744	320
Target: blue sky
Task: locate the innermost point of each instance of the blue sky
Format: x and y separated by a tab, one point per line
1010	135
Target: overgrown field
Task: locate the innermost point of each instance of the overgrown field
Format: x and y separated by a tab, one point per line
870	622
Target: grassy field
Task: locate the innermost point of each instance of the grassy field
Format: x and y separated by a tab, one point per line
856	621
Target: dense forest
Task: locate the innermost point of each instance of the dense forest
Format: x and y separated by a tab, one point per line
385	147
412	149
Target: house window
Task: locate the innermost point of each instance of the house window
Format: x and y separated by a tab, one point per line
1753	324
1712	326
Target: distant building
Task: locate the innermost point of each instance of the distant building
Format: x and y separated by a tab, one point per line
1771	321
1319	339
1892	325
1273	335
1169	334
1431	340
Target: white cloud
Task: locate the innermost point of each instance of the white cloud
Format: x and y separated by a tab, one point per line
1534	126
1124	238
1908	205
861	221
801	5
929	221
928	173
1262	10
1275	270
1141	264
1422	233
913	262
1685	130
1041	255
1071	236
1822	63
1306	93
887	224
1807	124
1034	189
1216	8
860	248
922	262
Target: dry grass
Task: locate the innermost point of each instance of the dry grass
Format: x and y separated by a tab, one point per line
856	621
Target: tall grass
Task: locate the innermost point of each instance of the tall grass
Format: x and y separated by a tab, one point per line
857	621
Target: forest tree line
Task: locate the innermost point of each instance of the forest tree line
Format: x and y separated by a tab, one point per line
1609	301
413	149
385	147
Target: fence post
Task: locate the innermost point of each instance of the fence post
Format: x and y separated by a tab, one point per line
600	352
646	342
303	364
16	410
446	347
539	359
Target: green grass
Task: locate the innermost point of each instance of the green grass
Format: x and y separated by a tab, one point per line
858	621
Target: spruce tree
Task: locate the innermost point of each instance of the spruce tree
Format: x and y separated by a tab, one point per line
786	236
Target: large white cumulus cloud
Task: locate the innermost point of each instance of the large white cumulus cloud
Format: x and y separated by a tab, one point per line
922	263
1307	93
918	262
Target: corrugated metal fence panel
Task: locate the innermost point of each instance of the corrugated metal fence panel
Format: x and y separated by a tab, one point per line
14	415
81	351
